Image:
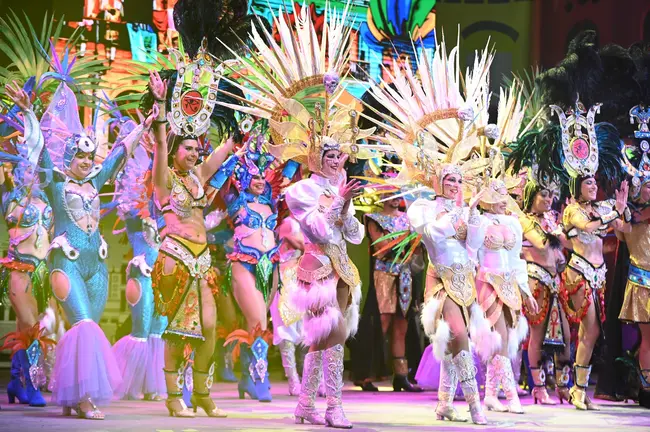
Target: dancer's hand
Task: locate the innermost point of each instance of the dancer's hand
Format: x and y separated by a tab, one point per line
473	203
351	189
158	86
531	305
152	116
18	96
621	197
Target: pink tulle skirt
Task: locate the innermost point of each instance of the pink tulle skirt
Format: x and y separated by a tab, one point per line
154	379
428	374
85	366
132	357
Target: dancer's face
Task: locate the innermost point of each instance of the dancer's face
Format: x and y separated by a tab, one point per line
186	155
451	185
542	202
331	163
589	189
394	203
257	185
81	165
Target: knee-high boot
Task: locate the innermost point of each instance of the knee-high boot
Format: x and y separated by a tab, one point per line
15	388
246	384
509	384
466	374
29	360
447	391
312	372
288	353
492	383
333	370
260	370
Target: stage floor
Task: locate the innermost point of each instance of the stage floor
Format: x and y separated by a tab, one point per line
383	411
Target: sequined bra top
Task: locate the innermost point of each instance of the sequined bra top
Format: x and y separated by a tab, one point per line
181	201
254	220
80	203
497	240
30	217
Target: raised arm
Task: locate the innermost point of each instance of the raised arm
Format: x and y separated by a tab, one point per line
214	161
160	171
115	160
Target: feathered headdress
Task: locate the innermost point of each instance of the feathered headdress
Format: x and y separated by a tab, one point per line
64	134
195	85
295	85
588	76
431	124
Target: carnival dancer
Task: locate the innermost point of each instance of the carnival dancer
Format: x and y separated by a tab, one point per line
139	355
24	275
393	286
582	153
435	147
252	210
184	281
501	281
635	302
287	324
85	372
306	128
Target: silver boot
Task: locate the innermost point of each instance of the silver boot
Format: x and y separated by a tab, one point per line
312	371
509	384
447	391
333	361
288	353
492	383
466	373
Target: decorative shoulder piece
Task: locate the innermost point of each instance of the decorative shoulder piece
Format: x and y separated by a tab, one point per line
580	147
195	93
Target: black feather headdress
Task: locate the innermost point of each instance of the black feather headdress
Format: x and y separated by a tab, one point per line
201	24
593	77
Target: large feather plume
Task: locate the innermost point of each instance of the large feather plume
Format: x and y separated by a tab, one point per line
214	20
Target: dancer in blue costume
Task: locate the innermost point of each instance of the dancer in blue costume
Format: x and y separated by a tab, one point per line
140	355
23	273
252	211
85	372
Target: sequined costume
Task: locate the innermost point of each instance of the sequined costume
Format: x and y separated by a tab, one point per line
177	294
31	216
287	324
393	281
85	367
140	354
591	278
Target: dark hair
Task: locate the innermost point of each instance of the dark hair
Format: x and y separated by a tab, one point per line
173	143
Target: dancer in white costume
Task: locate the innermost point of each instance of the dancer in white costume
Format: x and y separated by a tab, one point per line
434	138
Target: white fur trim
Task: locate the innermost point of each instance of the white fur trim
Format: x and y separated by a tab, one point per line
48	321
516	336
486	341
428	315
352	313
318	328
315	295
440	340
